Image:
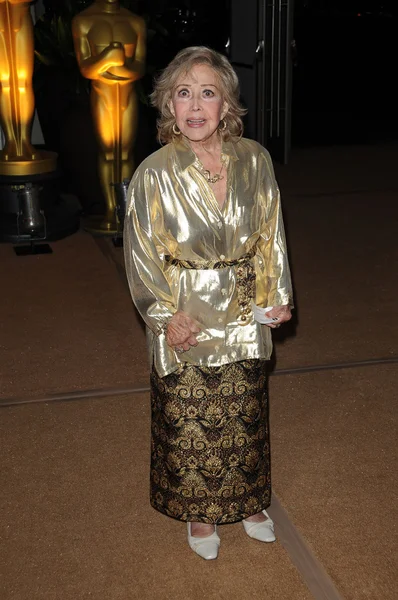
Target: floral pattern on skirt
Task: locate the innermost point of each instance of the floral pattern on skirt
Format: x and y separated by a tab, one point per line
210	455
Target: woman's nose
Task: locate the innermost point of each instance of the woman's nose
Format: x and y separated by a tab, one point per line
196	104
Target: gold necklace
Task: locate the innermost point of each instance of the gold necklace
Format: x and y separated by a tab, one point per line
206	173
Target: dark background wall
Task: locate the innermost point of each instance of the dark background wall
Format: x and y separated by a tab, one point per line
344	82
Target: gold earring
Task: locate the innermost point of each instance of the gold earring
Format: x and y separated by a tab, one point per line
176	130
223	126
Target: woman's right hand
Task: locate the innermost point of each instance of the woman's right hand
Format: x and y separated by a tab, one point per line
181	332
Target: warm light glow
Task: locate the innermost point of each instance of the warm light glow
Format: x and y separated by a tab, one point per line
21	81
108	132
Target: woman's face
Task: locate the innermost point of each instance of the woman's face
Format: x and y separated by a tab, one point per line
197	103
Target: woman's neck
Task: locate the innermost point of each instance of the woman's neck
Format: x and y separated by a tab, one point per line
211	147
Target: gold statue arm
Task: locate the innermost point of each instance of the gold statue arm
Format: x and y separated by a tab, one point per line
93	67
134	67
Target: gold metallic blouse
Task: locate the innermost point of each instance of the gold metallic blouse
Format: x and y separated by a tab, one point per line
182	252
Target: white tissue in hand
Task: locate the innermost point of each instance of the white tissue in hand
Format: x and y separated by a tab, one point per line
259	314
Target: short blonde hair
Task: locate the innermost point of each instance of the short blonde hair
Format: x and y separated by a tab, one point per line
181	64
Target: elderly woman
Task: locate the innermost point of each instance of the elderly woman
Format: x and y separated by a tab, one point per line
207	267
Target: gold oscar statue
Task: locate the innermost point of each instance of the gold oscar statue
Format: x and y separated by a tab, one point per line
17	103
110	48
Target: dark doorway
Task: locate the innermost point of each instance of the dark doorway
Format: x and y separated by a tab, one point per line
260	49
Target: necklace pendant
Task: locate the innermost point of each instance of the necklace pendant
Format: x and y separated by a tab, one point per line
214	179
207	175
217	177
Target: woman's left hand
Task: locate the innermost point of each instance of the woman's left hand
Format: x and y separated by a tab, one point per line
282	313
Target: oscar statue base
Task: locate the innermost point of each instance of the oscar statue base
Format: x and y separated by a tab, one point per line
100	225
44	162
61	211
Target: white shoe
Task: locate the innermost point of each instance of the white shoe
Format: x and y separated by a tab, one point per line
206	547
263	532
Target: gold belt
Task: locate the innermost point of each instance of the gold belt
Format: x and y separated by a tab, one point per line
245	277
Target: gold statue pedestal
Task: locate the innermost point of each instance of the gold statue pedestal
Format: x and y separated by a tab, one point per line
44	162
61	211
100	225
112	224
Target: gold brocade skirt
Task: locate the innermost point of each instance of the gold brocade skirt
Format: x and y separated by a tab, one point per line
210	456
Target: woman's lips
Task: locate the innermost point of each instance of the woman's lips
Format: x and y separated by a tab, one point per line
195	122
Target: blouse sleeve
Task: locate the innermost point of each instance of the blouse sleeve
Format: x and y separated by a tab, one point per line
272	243
149	287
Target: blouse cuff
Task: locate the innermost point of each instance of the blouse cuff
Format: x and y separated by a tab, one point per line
159	315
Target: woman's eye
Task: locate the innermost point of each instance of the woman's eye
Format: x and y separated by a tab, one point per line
208	93
183	93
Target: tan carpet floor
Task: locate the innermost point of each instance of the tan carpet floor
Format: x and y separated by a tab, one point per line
67	322
334	457
78	524
344	254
